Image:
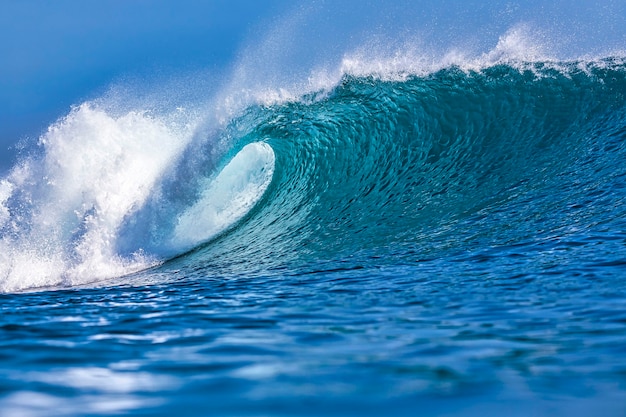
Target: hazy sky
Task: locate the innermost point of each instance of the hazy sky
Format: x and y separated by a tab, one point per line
58	53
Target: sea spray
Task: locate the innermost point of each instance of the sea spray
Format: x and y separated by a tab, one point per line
66	207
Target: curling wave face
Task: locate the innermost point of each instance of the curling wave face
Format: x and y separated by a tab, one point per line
395	171
375	168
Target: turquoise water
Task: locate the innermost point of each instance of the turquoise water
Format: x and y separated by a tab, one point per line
440	242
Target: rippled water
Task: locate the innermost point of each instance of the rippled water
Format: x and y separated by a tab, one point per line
456	337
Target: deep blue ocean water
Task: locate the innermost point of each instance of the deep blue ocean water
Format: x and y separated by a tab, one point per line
401	240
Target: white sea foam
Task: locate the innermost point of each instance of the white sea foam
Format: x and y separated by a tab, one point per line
61	212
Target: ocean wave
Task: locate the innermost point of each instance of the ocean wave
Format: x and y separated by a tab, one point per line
392	158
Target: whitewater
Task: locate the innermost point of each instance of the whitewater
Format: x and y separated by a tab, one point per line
395	231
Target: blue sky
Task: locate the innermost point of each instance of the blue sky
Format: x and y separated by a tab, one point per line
58	53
